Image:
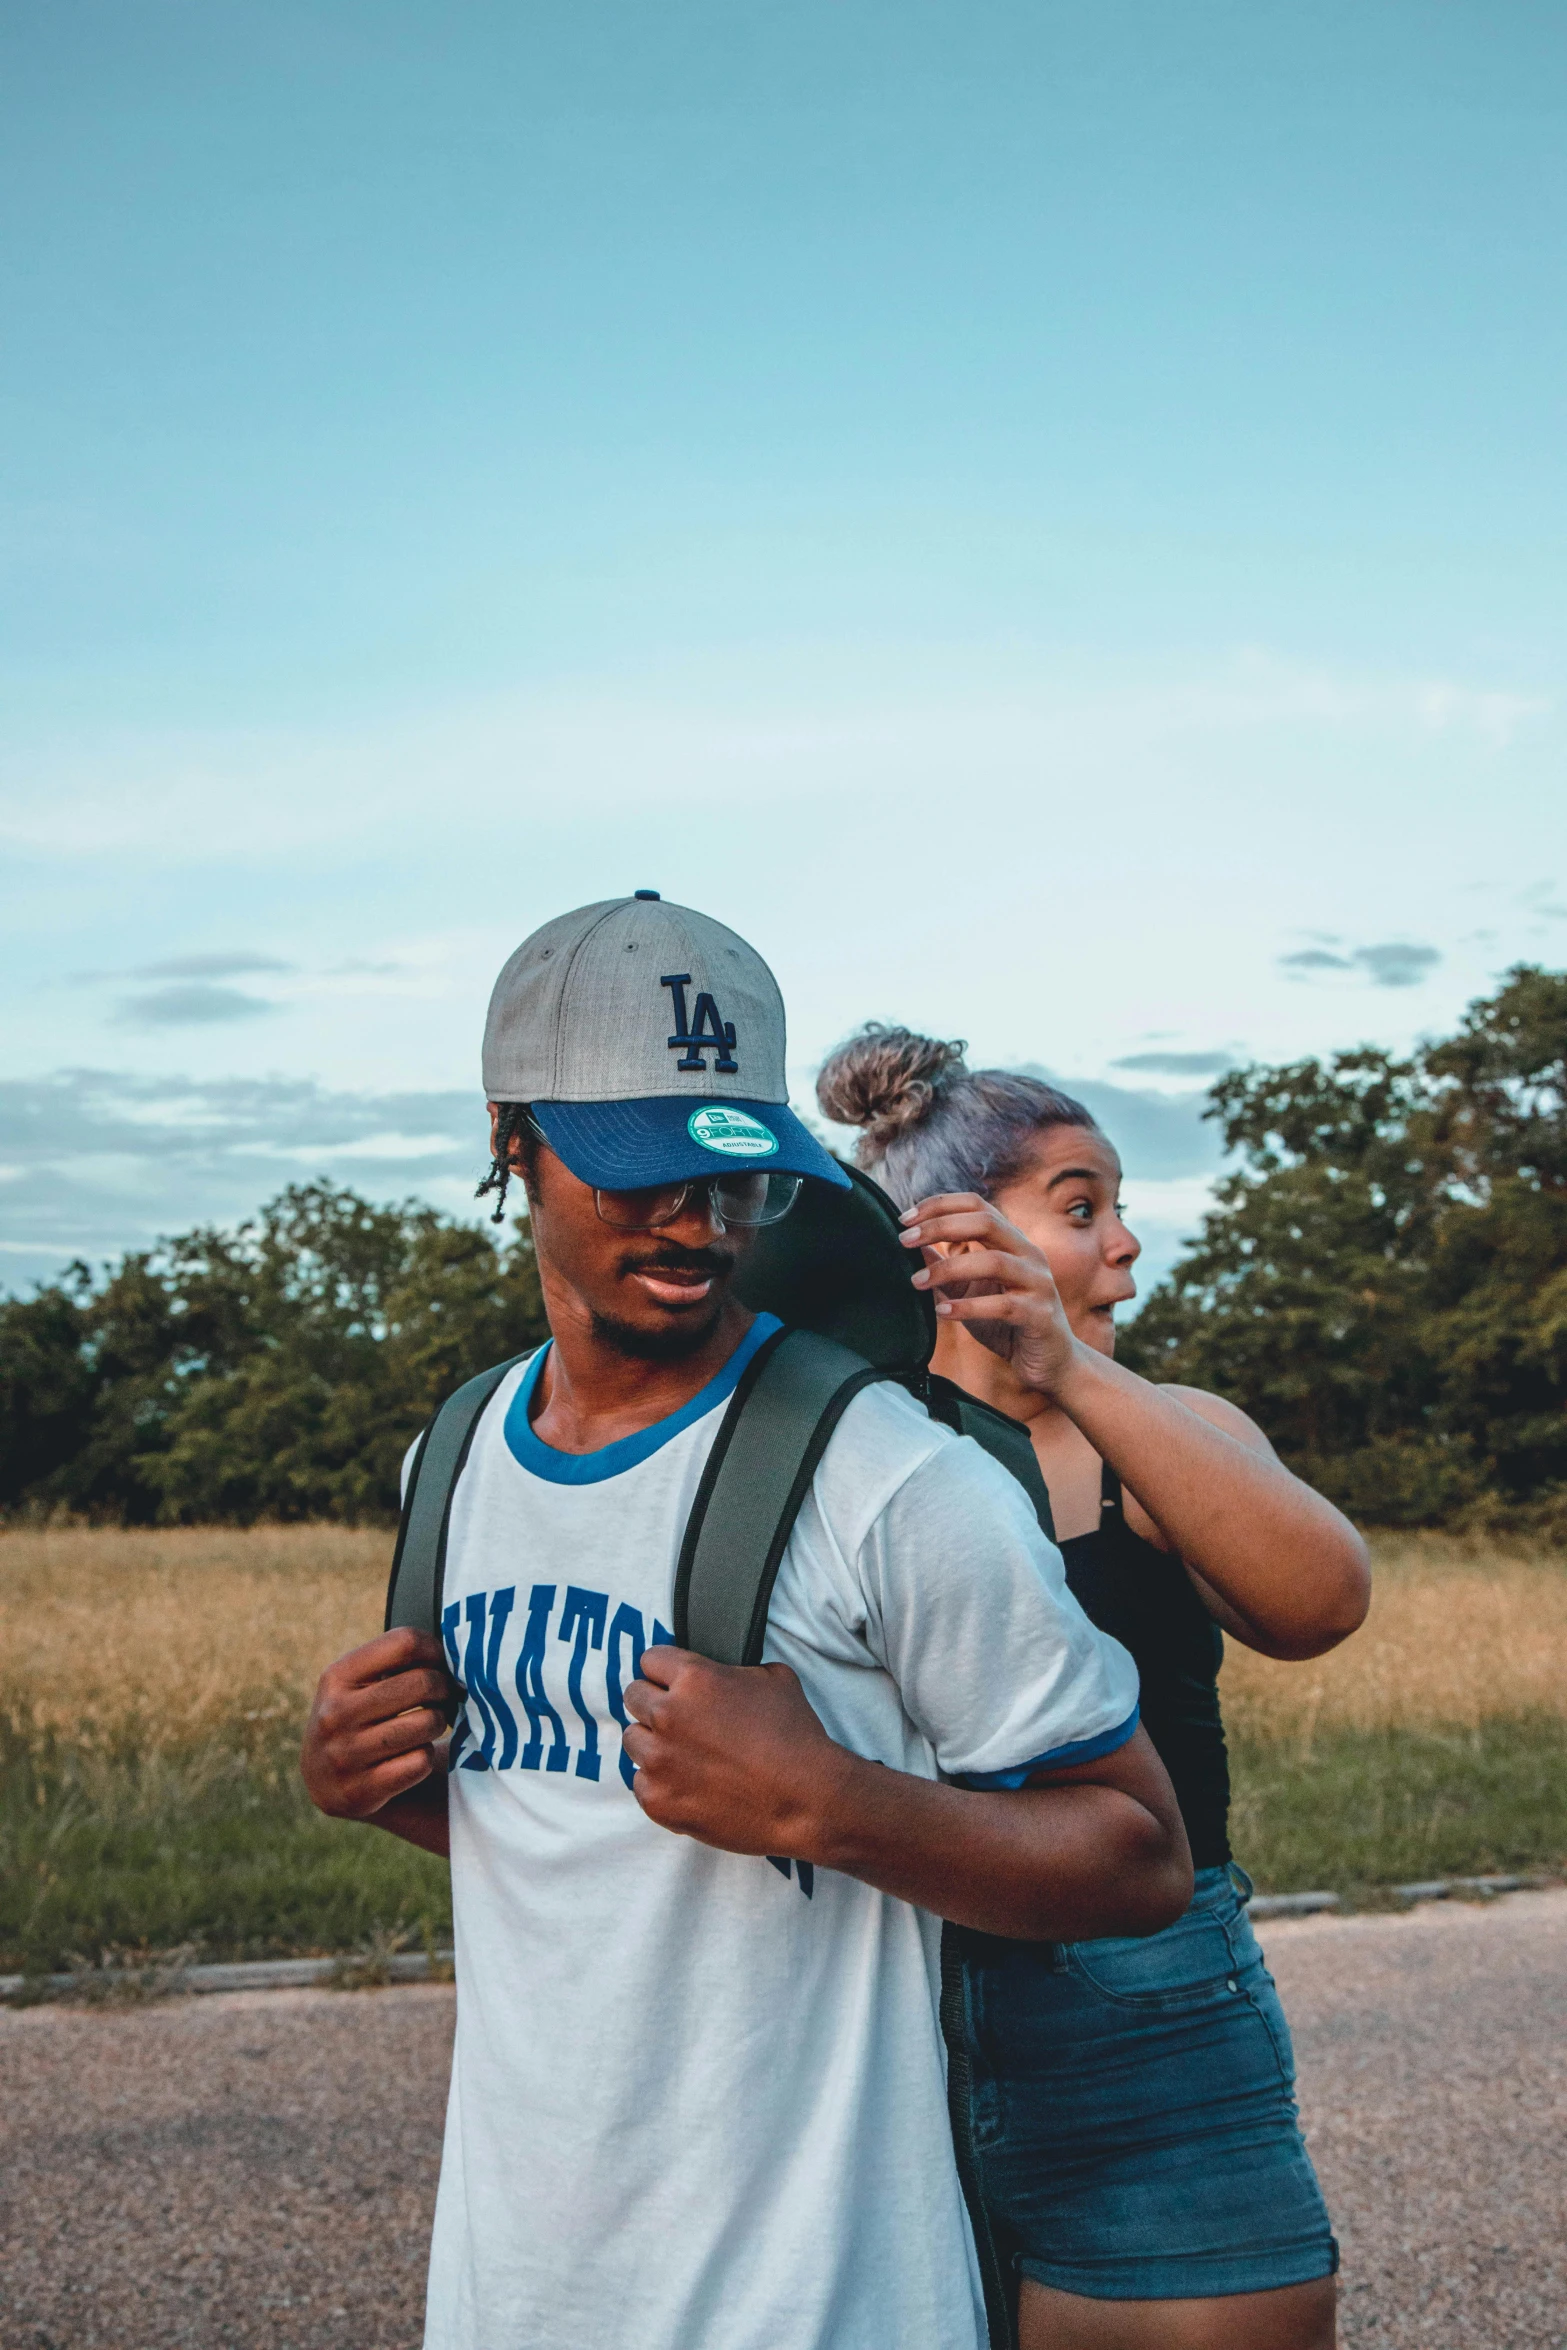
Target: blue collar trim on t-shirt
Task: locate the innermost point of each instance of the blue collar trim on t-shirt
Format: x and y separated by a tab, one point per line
612	1460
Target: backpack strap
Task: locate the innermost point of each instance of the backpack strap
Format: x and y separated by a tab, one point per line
1005	1439
413	1596
789	1399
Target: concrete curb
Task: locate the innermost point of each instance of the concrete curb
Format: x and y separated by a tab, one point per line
352	1970
1291	1905
1305	1905
1482	1888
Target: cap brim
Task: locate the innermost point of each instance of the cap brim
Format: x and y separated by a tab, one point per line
625	1146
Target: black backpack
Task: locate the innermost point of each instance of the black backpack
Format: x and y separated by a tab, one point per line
838	1278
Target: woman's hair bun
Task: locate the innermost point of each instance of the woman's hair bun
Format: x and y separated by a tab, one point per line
884	1080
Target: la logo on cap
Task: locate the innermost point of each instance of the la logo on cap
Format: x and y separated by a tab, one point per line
705	1027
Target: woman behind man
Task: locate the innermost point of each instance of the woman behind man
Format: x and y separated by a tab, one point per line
1134	2113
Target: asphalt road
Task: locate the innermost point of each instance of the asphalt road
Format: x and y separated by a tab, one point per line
259	2169
1432	2053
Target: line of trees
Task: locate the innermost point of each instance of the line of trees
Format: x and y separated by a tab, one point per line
276	1372
1382	1284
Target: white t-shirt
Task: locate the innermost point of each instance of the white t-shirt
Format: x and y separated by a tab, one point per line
698	2099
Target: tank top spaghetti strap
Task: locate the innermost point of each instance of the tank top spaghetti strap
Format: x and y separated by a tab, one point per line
1143	1597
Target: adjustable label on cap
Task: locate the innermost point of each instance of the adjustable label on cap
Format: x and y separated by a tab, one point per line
732	1132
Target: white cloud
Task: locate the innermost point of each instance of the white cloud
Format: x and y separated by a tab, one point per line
1395	963
624	746
1173	1064
195	1004
95	1161
221	965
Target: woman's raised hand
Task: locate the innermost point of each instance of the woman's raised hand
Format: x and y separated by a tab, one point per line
986	1274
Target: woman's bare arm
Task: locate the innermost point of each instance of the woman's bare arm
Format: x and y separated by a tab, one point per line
1276	1564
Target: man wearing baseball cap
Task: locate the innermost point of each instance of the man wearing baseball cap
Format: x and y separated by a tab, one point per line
698	2096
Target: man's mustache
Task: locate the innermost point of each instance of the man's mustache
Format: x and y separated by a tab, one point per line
670	1258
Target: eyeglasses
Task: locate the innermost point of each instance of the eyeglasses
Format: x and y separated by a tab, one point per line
741	1200
744	1201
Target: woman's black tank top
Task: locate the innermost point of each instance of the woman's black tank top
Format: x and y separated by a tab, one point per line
1144	1598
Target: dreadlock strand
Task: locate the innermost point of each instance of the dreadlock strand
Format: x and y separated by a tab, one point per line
510	1128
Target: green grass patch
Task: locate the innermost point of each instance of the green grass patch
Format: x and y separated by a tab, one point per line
1356	1810
217	1847
119	1845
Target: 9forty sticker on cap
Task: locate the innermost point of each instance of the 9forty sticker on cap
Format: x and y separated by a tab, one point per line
732	1132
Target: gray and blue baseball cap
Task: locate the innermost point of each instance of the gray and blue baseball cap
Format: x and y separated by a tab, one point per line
650	1042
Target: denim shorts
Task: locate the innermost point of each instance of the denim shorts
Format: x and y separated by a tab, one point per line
1134	2121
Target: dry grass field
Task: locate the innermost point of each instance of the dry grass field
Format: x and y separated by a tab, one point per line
1458	1635
152	1686
180	1634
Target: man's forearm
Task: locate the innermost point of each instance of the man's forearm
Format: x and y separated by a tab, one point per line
734	1755
419	1816
1061	1862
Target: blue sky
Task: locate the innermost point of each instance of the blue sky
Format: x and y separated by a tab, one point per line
1049	520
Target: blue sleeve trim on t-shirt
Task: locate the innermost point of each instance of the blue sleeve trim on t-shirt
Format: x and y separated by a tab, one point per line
1059	1758
612	1460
